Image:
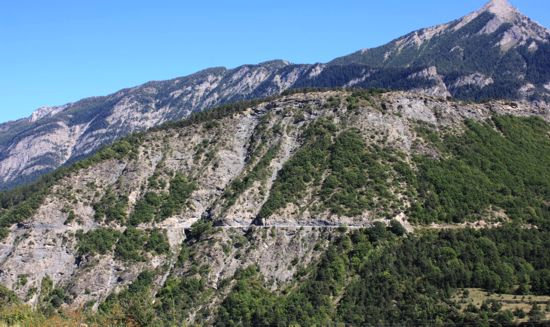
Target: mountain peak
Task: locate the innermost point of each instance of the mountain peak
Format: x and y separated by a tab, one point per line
500	8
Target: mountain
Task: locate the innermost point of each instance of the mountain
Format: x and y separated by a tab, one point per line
493	53
52	137
315	207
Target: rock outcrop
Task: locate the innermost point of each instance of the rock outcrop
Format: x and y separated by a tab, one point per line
495	52
234	161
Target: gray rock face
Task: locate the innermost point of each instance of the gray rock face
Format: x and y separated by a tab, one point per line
54	136
214	155
495	52
475	79
490	53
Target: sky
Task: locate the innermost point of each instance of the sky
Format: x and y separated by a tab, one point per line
59	51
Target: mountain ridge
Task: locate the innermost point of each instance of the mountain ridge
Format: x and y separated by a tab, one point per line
293	195
256	184
451	59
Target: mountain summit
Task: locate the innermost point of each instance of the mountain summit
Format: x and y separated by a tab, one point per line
520	28
494	52
501	8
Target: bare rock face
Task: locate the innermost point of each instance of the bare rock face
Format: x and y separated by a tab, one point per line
474	57
475	79
438	89
54	136
523	30
216	154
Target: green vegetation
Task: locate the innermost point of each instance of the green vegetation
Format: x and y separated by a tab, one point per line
20	212
333	102
505	165
134	302
71	216
128	246
357	177
524	307
368	277
97	241
7	297
397	228
111	208
303	169
146	209
257	173
157	242
198	229
174	300
21	203
378	276
156	207
177	297
509	69
51	297
131	245
180	191
383	279
250	303
359	96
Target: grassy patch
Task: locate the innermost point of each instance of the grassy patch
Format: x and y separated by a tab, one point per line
519	305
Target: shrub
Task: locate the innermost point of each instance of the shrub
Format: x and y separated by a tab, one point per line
146	209
397	228
111	208
158	242
131	244
200	228
180	190
97	241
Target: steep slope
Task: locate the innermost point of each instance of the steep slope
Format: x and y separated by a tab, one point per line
184	209
493	52
55	136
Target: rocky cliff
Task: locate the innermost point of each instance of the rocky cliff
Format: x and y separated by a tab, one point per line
52	137
493	53
267	183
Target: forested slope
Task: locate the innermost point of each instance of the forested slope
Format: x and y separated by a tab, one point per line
316	207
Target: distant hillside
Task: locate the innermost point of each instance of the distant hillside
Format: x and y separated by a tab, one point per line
493	53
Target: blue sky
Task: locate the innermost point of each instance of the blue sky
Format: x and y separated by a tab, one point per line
58	51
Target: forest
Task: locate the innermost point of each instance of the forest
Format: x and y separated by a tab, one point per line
496	170
372	277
